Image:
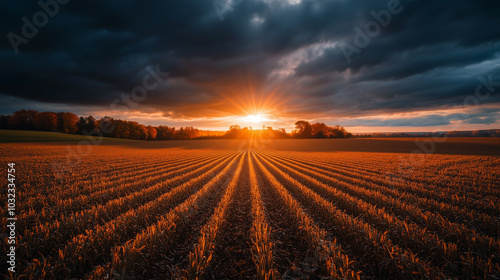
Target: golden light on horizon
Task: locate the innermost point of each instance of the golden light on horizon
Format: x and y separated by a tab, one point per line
255	118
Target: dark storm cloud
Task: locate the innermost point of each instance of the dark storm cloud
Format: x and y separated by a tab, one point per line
484	116
92	52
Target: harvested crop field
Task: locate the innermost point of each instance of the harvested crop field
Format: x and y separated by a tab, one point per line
274	209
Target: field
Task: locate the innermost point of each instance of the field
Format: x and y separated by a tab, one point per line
22	136
276	209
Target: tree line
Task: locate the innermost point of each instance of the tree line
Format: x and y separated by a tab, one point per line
303	129
67	122
46	121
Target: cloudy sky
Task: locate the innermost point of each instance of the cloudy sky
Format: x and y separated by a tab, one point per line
379	65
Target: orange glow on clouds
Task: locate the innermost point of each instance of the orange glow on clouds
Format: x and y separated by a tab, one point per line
248	108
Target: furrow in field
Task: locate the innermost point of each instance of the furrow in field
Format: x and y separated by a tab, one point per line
321	256
48	237
109	190
262	244
81	187
68	207
372	246
86	188
119	163
479	221
473	200
432	247
111	166
159	245
441	174
94	247
373	171
393	200
232	256
34	210
206	252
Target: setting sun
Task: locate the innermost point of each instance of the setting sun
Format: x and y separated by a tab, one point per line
255	118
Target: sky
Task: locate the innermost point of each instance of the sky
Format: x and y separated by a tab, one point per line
370	66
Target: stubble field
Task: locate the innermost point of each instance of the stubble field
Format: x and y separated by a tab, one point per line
281	209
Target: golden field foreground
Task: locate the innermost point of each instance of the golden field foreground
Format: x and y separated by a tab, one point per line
274	209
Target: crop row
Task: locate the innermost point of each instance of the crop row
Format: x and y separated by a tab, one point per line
81	252
400	191
406	234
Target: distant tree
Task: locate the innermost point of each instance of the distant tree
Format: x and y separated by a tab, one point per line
245	132
67	122
121	129
86	125
338	132
191	132
140	131
280	133
4	122
80	124
136	131
186	133
320	134
151	132
46	121
320	130
235	128
105	124
165	132
303	129
234	132
23	119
